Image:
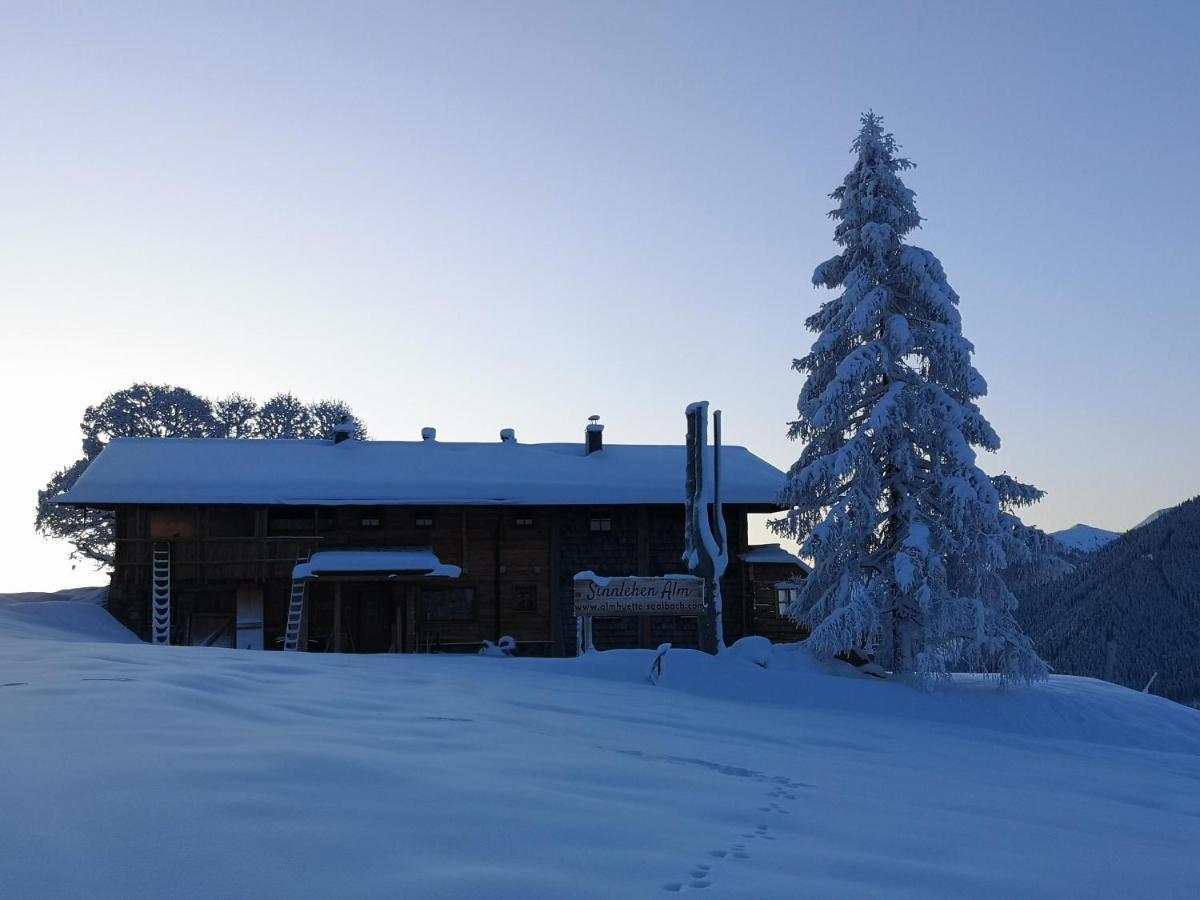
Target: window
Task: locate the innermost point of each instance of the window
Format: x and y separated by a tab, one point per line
525	598
601	520
448	604
424	518
370	518
524	521
785	595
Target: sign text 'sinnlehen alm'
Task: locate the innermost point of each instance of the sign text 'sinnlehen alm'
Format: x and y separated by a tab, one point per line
639	597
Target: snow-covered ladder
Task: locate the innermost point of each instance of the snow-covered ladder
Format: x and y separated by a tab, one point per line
291	634
160	594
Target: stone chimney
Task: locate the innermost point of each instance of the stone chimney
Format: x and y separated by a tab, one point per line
344	430
593	436
508	436
428	434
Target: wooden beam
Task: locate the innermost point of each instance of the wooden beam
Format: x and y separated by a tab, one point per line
337	617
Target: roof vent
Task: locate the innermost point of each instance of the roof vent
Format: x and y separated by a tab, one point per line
508	436
344	430
428	434
593	436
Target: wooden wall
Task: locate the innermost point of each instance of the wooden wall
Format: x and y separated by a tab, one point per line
518	561
760	582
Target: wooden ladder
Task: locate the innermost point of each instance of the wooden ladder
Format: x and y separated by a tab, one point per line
160	594
295	618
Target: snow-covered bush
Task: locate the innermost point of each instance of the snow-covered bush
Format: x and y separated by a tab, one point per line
753	649
506	646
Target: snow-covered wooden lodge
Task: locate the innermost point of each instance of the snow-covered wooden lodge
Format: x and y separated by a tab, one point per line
410	546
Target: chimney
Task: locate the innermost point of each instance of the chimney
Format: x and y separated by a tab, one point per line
593	436
508	436
344	430
428	434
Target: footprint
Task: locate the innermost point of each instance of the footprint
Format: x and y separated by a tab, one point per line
779	787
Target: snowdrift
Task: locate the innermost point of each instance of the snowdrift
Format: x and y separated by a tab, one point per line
72	615
196	772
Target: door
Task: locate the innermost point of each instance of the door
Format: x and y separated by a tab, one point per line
250	617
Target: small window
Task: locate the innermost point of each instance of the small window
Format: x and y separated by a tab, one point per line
524	521
601	520
448	604
784	597
370	518
525	598
424	518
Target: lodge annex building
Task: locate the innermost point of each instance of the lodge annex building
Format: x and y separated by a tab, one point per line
415	546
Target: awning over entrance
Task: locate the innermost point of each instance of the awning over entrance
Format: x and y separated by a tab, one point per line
378	563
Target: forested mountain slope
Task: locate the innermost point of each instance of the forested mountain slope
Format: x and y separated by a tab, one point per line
1129	610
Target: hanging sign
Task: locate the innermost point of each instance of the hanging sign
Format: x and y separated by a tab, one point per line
672	595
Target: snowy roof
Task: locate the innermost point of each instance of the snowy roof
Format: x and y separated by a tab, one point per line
397	473
772	554
422	561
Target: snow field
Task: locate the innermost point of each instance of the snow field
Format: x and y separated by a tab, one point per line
138	771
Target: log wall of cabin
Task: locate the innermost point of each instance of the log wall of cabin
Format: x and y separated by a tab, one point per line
518	561
760	581
505	554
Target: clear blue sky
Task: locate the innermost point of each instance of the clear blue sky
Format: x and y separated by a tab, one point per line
484	215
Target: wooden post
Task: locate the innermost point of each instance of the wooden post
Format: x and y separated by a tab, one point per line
644	636
555	592
305	606
337	617
412	598
583	635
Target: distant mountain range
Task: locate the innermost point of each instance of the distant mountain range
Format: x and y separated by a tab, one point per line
1085	537
1130	611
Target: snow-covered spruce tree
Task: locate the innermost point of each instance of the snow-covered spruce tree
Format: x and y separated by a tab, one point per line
909	538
